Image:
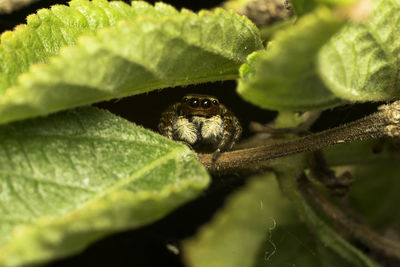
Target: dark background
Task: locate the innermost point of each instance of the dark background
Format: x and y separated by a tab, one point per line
147	245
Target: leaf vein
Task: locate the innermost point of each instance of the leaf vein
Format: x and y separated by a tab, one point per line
41	180
142	171
18	195
84	137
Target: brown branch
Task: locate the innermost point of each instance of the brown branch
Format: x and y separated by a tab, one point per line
386	121
361	232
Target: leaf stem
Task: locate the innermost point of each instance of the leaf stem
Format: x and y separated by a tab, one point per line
384	122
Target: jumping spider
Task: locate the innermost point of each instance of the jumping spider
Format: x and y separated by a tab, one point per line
201	122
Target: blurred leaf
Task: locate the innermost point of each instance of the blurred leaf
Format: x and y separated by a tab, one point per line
258	227
152	48
361	62
284	77
268	31
237	232
375	194
359	153
304	6
288	172
244	220
74	177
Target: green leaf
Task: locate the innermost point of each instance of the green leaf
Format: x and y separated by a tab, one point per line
284	77
74	177
145	48
288	172
237	232
258	227
302	7
50	29
374	165
361	62
359	153
268	32
375	192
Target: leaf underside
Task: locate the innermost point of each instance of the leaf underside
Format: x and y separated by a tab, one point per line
94	51
73	177
361	62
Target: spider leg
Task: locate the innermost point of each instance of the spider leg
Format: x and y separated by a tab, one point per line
231	133
167	120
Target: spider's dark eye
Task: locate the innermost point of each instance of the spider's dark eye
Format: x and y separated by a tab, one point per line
215	102
185	99
194	102
206	103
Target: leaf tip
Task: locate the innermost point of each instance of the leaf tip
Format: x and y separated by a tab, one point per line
246	70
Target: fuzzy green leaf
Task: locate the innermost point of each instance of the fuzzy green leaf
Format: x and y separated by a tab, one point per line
50	29
375	194
359	153
375	166
288	171
304	6
284	77
245	219
361	62
258	227
144	48
74	177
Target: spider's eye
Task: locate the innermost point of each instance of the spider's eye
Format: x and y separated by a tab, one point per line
185	99
194	102
206	103
215	102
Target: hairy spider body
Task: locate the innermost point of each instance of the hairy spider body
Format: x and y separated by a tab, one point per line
201	122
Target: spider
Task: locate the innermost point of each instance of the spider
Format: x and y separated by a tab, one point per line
201	122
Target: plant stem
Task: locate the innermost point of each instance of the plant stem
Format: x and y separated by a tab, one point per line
361	232
287	173
385	122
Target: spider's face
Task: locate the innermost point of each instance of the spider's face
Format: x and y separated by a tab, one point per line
201	122
200	105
